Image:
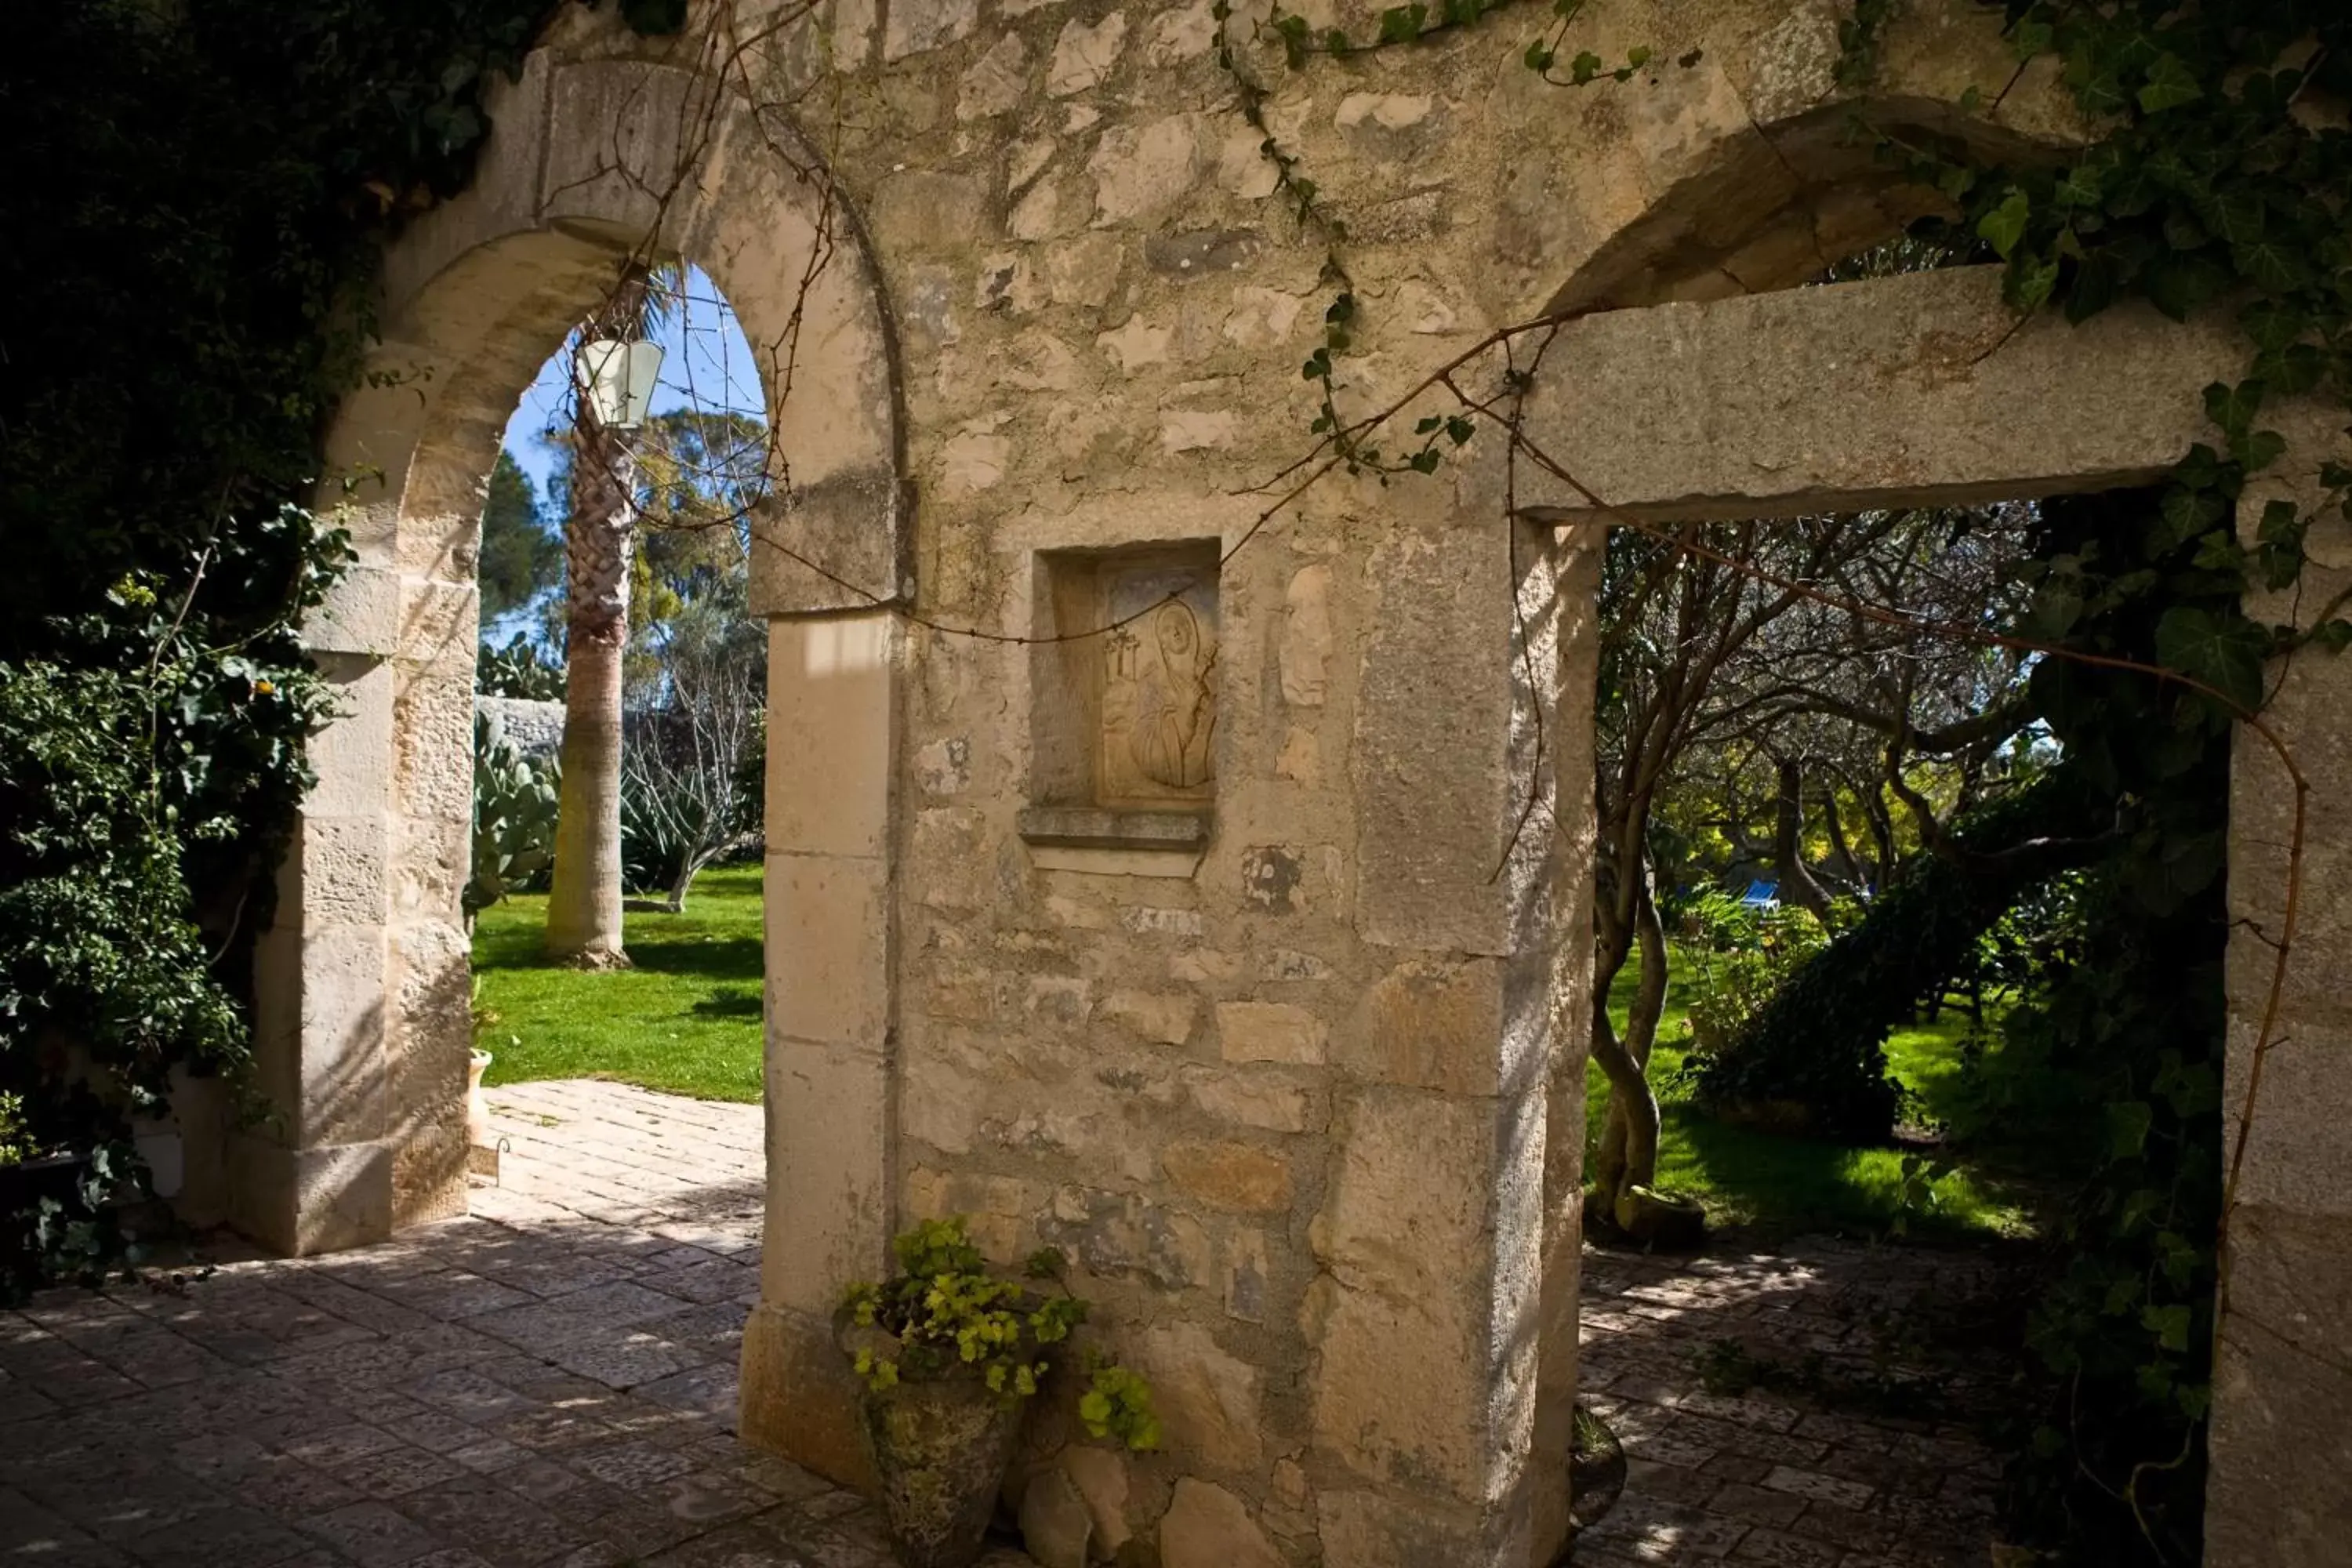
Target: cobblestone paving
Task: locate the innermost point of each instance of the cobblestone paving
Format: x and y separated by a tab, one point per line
550	1381
1766	1477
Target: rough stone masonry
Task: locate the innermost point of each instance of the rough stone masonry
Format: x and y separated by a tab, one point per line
1225	950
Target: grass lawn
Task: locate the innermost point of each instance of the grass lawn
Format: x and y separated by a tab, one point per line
1771	1183
685	1020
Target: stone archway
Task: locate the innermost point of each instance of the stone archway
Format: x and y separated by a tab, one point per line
1901	392
364	1026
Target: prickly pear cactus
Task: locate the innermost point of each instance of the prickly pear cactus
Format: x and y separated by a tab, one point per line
514	816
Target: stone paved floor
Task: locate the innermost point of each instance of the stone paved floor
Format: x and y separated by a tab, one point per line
551	1380
1766	1477
548	1382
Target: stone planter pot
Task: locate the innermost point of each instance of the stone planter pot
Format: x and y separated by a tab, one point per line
940	1447
477	1110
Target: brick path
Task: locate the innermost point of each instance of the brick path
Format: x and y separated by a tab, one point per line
549	1381
1766	1477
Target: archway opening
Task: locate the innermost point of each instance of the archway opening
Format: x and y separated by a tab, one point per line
615	889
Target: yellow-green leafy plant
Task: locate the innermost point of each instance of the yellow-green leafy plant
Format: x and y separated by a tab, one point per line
945	1315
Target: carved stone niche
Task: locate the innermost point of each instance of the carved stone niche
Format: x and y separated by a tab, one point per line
1125	726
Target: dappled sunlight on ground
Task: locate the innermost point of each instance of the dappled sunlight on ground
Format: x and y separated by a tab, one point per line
1803	1477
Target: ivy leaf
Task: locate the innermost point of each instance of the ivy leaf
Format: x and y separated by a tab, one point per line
2224	652
2233	408
2179	282
1403	23
2004	226
2032	38
2030	281
2271	264
2169	1324
2128	1125
2170	84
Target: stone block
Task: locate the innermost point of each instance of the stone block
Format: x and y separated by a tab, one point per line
1207	1397
918	27
829	735
1226	1175
1100	1476
826	934
1165	1017
1429	1024
1208	1527
1056	1527
2275	1496
1271	1032
798	1397
1270	1101
300	1202
1373	1529
1877	394
361	614
2299	1155
1306	646
1085	55
828	1161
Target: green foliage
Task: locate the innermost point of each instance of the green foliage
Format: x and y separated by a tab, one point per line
148	773
945	1315
521	557
518	669
1816	1042
515	800
1118	1405
1741	955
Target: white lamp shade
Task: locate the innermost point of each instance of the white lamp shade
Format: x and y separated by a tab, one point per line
619	380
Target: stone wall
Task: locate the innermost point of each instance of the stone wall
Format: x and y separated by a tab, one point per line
1227	952
536	728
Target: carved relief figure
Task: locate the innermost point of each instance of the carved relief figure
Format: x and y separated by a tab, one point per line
1158	712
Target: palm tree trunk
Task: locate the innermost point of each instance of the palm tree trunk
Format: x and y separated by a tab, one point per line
583	907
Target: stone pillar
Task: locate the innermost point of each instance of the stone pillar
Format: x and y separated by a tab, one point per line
832	697
1442	1317
360	1023
2282	1433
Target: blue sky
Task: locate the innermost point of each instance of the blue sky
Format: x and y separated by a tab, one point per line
707	363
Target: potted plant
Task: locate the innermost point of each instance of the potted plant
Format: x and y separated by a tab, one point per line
950	1356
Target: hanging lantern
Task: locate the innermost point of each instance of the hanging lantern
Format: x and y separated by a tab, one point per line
619	380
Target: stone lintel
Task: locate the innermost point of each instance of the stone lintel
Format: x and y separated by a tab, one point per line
1095	828
1917	390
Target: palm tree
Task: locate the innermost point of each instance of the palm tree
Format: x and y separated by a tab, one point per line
584	907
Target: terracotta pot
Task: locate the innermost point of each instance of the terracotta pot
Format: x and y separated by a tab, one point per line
942	1448
477	1110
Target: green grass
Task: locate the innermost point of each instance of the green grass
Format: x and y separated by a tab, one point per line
684	1019
1767	1183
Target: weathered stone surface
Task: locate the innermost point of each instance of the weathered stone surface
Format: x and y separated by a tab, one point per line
1271	1032
1429	1026
1306	635
1252	1098
1228	1176
1165	1016
1207	1397
1084	54
1055	1525
1208	1527
915	26
1100	1476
